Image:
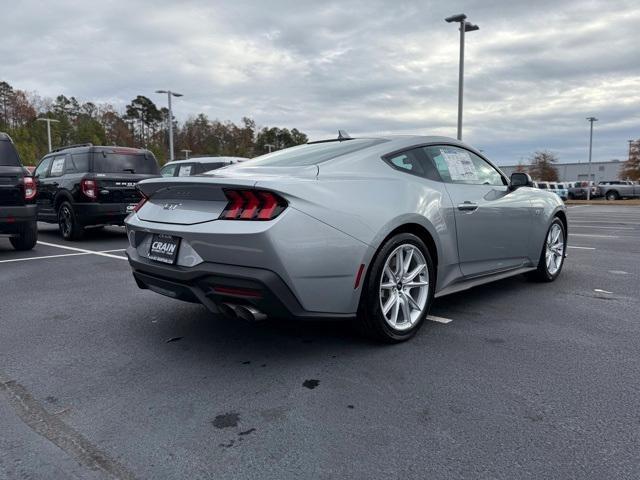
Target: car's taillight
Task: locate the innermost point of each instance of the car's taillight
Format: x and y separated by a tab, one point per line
89	188
142	201
30	188
252	205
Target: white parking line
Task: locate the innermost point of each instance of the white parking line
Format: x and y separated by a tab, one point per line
581	248
434	318
102	254
590	235
43	257
573	225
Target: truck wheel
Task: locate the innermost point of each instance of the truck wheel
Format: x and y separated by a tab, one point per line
70	228
612	195
28	237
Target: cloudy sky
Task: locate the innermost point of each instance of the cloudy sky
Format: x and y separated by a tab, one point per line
534	70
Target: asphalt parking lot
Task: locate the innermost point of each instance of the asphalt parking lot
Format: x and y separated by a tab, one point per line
99	379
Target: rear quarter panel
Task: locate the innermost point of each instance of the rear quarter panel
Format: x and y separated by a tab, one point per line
369	206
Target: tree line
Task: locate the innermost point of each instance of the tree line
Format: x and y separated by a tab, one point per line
142	124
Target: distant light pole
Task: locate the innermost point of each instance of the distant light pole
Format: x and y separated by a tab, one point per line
48	120
169	95
464	27
269	146
590	120
186	153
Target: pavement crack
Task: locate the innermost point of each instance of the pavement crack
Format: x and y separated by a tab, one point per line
51	427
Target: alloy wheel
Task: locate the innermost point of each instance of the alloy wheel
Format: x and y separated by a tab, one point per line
404	287
554	249
65	220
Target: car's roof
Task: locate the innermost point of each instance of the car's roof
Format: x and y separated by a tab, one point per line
97	148
208	160
399	141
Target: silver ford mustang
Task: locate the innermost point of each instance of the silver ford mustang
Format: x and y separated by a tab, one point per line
373	228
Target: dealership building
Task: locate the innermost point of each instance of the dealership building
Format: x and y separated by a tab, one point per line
569	172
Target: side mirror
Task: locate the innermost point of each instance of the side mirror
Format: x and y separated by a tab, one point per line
520	179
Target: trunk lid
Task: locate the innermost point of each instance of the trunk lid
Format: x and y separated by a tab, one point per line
201	198
186	200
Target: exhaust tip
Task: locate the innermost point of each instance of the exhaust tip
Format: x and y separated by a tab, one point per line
245	312
227	310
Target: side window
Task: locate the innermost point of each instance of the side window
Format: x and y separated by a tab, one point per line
185	170
77	163
168	170
457	165
41	171
407	161
57	166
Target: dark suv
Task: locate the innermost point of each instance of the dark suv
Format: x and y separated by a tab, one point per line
86	185
17	198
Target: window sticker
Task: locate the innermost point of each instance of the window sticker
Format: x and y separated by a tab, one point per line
461	167
57	166
184	171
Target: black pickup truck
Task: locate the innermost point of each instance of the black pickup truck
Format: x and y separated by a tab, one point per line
17	198
87	185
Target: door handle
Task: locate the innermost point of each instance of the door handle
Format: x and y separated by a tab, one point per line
468	206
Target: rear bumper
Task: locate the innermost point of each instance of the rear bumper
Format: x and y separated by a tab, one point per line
102	213
213	284
11	218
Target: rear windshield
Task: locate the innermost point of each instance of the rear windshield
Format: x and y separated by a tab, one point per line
313	153
124	163
8	155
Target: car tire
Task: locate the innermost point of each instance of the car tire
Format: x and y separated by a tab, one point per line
612	195
553	253
27	237
70	227
405	290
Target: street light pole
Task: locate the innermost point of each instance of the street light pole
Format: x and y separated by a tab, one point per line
169	95
464	27
591	120
48	120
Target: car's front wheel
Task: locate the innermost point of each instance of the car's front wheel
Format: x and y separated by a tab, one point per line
553	253
398	291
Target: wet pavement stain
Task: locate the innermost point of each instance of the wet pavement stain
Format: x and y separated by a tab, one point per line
247	432
226	420
351	407
248	362
311	384
174	339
